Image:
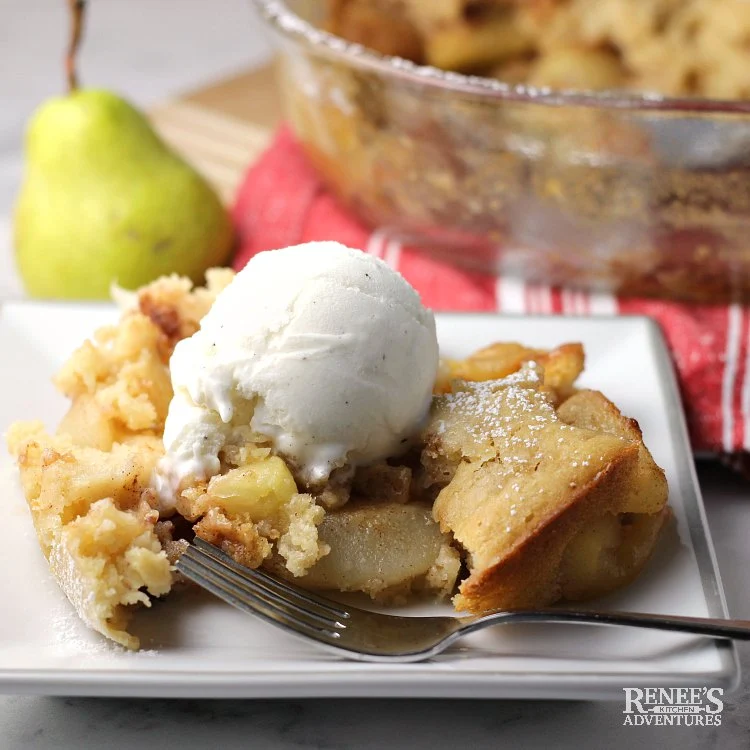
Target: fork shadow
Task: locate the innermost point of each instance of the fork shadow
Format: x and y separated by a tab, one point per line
175	622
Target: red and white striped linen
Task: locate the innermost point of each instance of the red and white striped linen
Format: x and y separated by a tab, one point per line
282	202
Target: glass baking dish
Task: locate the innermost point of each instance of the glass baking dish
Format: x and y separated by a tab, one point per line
639	195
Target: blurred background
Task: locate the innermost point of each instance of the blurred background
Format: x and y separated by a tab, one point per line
147	50
637	199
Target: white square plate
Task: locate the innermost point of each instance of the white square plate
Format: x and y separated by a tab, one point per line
199	647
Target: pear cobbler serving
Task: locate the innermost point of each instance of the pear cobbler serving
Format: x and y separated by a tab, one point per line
297	415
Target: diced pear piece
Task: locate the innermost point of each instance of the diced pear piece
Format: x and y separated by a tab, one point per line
260	489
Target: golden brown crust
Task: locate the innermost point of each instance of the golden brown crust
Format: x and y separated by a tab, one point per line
561	365
238	539
122	372
176	307
594	411
528	574
546	504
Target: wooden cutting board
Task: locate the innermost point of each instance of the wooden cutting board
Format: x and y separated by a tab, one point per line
222	128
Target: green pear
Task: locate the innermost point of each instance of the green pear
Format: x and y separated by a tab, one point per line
105	200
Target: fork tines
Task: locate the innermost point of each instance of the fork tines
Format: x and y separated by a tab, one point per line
261	594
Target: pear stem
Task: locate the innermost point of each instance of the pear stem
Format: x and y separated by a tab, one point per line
77	8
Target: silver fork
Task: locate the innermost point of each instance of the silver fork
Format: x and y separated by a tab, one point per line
372	636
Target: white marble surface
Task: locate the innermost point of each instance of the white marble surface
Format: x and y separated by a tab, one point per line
151	49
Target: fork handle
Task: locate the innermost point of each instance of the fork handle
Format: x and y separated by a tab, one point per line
716	627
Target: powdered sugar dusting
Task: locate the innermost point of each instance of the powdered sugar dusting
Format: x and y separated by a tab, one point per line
63	565
72	639
493	410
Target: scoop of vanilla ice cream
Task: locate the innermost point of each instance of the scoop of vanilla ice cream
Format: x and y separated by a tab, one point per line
325	350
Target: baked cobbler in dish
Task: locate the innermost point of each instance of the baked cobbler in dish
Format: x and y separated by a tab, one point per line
669	47
508	487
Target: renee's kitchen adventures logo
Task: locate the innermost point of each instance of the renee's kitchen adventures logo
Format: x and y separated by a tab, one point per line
673	707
